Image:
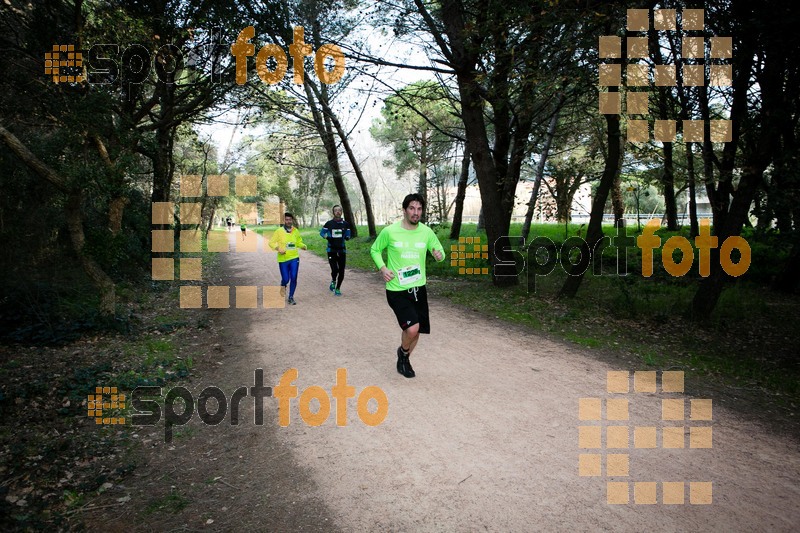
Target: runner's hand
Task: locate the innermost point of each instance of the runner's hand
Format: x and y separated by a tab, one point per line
281	250
387	274
304	247
437	255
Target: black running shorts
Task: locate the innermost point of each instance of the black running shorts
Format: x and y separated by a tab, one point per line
410	306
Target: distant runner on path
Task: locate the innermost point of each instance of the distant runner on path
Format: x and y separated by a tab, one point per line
243	226
337	231
408	241
287	240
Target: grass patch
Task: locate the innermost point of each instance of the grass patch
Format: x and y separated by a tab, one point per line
158	363
174	502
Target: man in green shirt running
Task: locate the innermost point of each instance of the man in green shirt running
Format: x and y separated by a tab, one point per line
407	242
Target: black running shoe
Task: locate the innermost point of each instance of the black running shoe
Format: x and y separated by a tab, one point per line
403	364
409	373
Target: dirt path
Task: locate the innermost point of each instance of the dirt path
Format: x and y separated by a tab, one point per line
484	438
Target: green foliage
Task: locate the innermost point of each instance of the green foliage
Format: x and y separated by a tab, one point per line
420	122
297	173
173	502
44	313
126	255
111	142
158	365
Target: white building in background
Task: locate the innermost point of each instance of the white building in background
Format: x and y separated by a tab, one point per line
581	203
703	204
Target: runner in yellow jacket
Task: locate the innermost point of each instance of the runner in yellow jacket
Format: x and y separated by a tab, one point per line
287	241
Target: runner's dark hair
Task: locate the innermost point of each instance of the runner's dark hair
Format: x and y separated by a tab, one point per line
413	197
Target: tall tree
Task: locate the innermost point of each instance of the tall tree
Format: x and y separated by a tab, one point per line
128	105
461	193
763	60
321	22
509	64
420	123
665	105
611	171
539	171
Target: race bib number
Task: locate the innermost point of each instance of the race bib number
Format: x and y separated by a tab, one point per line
291	246
409	274
336	233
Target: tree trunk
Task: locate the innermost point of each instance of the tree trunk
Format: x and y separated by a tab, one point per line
101	280
759	156
115	210
617	205
595	230
441	194
317	199
664	101
331	118
668	180
683	114
455	230
695	230
161	156
422	184
74	217
116	206
325	131
563	202
490	178
785	175
710	289
708	159
537	181
362	183
353	162
210	221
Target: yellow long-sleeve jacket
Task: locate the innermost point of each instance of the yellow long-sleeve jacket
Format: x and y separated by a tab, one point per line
289	243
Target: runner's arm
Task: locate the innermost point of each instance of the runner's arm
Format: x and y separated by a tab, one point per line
377	248
324	231
276	243
435	245
300	242
347	231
